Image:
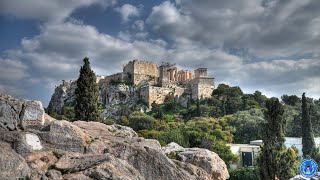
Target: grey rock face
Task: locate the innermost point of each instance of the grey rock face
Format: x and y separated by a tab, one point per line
117	99
22	142
12	165
23	114
54	175
114	169
65	136
63	95
74	162
203	158
32	115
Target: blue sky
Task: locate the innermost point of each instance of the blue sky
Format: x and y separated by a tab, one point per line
270	45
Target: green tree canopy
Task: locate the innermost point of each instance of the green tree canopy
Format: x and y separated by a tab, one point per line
87	94
308	144
275	161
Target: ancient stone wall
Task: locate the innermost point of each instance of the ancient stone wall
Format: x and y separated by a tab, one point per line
150	94
201	72
116	78
141	72
202	87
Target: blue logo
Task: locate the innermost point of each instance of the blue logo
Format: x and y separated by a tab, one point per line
308	168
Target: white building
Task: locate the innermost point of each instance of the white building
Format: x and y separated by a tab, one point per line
248	152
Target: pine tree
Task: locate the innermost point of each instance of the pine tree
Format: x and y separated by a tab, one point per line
273	155
87	94
308	144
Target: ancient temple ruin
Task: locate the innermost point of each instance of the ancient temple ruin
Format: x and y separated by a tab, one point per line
157	82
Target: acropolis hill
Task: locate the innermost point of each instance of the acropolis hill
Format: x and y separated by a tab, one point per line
142	81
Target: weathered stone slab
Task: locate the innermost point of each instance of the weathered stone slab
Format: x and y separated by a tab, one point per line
20	113
22	142
12	165
65	136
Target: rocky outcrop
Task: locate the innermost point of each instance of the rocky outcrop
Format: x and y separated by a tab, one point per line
63	96
203	158
118	99
64	136
20	114
91	150
22	142
12	165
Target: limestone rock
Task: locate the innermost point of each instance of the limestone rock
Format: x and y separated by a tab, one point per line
196	171
54	175
76	176
9	117
41	160
65	136
63	95
22	142
115	169
19	112
96	129
32	115
172	147
145	156
74	162
203	158
12	165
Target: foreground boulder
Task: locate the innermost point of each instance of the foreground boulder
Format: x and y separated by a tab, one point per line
52	149
12	165
203	158
20	114
65	136
22	142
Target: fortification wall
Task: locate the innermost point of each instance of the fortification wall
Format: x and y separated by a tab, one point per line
150	94
116	78
202	87
141	72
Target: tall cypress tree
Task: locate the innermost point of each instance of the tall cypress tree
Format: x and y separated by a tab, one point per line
87	94
308	144
272	156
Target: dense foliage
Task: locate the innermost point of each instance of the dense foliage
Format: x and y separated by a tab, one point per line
245	173
87	94
308	144
275	161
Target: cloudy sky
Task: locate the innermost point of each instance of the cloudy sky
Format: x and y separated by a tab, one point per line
267	45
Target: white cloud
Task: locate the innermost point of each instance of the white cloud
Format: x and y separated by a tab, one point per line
139	25
12	70
126	11
266	28
47	10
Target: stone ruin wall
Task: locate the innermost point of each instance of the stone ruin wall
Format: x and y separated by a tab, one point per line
118	77
142	71
202	88
150	94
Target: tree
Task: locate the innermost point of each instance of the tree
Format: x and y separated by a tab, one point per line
87	94
247	125
308	144
290	100
273	155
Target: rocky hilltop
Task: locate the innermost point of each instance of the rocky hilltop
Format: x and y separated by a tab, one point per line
36	146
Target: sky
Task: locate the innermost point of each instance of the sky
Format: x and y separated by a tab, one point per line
268	45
